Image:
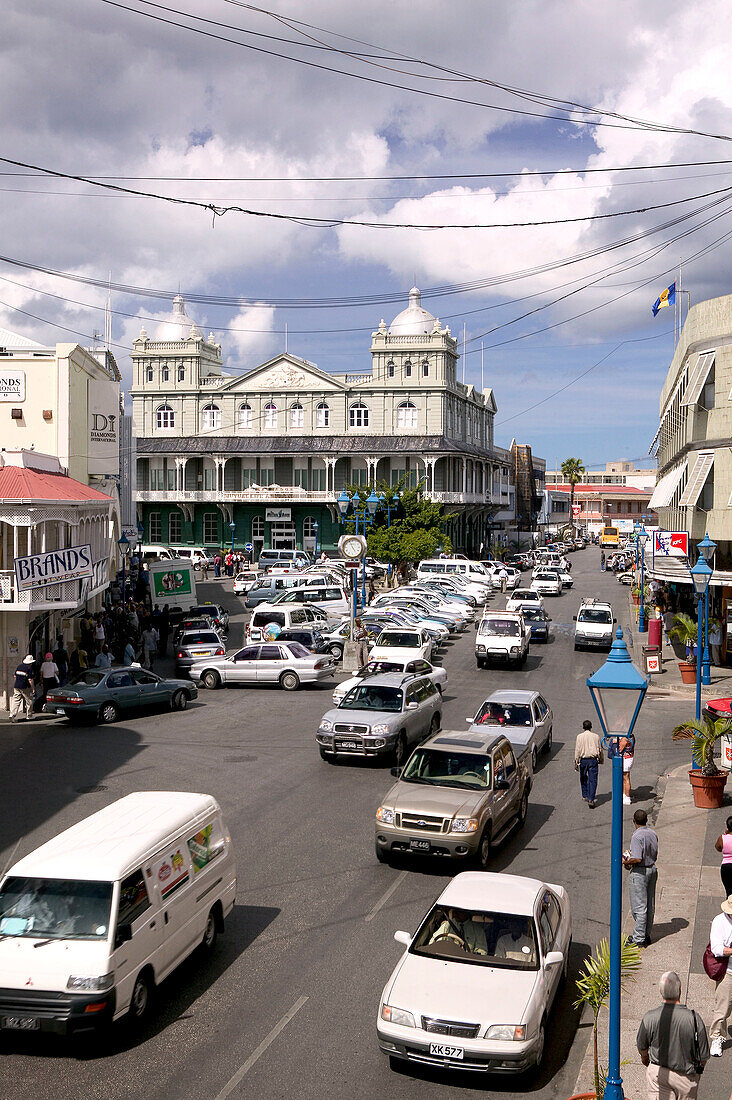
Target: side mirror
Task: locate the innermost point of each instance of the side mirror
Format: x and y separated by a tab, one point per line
123	934
553	958
470	718
412	706
354	672
501	785
615	620
396	772
403	937
575	618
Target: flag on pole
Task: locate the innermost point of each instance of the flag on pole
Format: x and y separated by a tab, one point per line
667	297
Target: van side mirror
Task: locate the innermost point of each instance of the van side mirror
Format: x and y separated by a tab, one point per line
123	934
575	618
615	620
553	958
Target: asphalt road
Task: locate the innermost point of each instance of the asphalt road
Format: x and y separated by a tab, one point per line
287	1005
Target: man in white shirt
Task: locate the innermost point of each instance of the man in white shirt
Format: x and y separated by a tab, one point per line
503	577
720	939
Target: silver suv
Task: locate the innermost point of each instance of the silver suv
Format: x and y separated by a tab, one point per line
382	714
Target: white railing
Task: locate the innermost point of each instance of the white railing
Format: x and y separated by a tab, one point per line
236	496
359	378
440	497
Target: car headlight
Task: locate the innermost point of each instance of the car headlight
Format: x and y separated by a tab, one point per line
465	825
325	724
481	649
97	984
397	1016
385	815
514	649
380	730
511	1033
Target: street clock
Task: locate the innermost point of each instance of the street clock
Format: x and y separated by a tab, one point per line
352	547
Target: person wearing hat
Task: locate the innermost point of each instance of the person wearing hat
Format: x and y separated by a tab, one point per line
720	941
49	675
23	689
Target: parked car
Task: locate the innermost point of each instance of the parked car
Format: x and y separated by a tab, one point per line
477	981
288	665
267	588
523	597
625	578
524	716
106	694
403	643
195	644
502	635
380	716
458	796
311	638
419	667
594	627
538	622
243	582
333	598
297	559
186	625
218	615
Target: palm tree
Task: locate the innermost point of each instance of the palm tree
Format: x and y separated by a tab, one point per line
572	471
593	986
704	735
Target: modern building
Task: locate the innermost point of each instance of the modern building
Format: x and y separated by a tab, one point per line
621	472
554	514
608	506
270	450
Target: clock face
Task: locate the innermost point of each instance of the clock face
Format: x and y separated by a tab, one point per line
352	547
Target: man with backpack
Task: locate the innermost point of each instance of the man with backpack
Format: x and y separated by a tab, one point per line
673	1045
720	946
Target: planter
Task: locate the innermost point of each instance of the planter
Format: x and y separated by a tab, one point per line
688	672
708	790
584	1096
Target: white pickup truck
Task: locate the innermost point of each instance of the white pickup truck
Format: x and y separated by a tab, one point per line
502	635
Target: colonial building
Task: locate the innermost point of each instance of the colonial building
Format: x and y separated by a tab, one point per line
608	506
270	450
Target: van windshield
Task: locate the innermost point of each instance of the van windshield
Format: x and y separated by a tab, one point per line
59	909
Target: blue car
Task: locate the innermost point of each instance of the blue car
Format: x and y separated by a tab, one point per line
103	695
539	621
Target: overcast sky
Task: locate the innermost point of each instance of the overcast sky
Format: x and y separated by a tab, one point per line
90	88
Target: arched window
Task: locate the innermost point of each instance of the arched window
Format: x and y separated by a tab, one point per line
244	419
181	372
149	374
406	415
425	369
164	417
271	415
257	527
407	369
165	374
210	417
358	415
390	369
297	415
308	527
322	415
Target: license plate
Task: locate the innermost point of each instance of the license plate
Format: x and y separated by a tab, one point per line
443	1050
347	745
419	845
204	653
21	1023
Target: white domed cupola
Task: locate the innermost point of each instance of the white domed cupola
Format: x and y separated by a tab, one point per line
176	325
414	320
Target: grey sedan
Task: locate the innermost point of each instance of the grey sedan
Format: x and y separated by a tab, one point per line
194	645
288	664
524	717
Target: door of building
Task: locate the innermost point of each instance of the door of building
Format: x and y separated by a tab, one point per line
283	535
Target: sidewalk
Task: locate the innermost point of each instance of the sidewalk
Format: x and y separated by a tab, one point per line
688	897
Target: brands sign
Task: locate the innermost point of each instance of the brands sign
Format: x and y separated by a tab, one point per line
274	515
671	544
53	567
12	385
103	429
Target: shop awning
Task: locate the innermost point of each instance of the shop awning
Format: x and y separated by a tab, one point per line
666	488
676	571
698	378
697	477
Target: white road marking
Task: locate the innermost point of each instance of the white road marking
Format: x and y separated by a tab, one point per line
266	1042
385	897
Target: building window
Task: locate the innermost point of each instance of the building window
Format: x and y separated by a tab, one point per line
358	415
210	418
360	476
244	420
308	527
390	369
425	369
317	479
164	417
407	369
154	527
209	478
271	415
165	374
406	415
211	527
301	477
257	527
149	374
297	415
322	415
248	477
266	475
181	374
175	527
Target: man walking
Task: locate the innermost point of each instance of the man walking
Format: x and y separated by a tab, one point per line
720	940
361	637
503	577
588	756
23	689
640	860
673	1045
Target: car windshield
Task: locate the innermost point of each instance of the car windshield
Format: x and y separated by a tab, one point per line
469	771
373	697
503	940
500	628
594	615
59	909
91	677
298	650
381	666
503	714
399	639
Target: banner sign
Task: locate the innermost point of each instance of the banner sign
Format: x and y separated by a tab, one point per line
576	510
172	582
273	515
12	385
55	566
671	544
103	413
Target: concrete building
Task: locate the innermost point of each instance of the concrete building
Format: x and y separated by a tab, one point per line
608	506
554	514
270	450
620	472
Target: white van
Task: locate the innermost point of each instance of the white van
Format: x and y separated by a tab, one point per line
115	903
197	554
152	550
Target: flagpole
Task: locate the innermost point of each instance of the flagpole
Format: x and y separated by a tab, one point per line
481	366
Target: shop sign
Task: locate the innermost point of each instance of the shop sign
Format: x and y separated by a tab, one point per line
671	544
103	413
39	570
576	510
275	515
12	385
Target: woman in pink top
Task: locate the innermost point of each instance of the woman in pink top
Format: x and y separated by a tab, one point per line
724	845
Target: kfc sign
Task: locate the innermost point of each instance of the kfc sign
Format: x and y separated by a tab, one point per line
576	510
671	544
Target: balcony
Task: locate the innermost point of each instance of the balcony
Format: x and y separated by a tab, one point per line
290	493
67	595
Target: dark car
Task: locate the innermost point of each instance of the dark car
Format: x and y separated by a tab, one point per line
538	620
218	615
312	640
104	694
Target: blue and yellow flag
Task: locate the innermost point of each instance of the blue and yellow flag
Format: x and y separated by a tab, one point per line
667	297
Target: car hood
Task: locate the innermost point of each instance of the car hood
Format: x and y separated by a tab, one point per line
419	798
359	717
49	966
461	991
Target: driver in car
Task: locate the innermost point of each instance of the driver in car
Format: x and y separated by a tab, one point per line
471	934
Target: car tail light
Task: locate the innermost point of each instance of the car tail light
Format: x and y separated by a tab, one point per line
219	652
181	655
321	664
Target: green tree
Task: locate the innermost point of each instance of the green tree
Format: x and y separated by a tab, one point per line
572	471
417	528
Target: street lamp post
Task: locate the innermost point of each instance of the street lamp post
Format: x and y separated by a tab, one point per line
124	547
315	528
232	528
618	690
706	548
701	575
642	539
344	503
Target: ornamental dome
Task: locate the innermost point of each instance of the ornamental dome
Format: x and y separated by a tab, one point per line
414	320
177	325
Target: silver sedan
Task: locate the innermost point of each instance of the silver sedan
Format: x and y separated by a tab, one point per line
288	664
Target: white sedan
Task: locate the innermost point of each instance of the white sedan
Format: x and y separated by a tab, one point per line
418	667
402	645
244	581
547	583
475	986
523	597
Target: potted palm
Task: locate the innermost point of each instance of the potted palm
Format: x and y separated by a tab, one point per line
708	782
593	986
684	630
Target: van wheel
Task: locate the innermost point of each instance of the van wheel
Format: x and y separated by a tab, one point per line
539	1055
210	933
434	725
534	758
336	651
548	743
290	681
108	712
523	810
141	997
211	680
179	701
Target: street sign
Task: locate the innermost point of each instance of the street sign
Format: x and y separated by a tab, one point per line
248	546
671	544
352	564
576	510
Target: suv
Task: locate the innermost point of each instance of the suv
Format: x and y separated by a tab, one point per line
381	715
283	618
458	796
297	559
594	625
504	635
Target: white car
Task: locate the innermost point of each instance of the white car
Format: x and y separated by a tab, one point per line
475	986
244	581
521	597
547	583
418	667
404	644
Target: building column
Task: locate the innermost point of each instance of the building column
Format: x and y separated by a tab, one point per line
464	476
429	466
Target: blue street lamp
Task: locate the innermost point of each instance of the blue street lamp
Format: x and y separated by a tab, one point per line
618	690
124	546
315	529
232	528
642	539
701	575
140	533
706	548
636	531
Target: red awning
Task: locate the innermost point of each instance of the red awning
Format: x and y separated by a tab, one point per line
21	483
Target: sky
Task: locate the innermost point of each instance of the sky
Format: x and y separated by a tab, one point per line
559	315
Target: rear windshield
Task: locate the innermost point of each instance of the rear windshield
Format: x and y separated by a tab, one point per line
207	609
200	637
59	909
298	650
381	666
504	714
500	628
91	677
263	617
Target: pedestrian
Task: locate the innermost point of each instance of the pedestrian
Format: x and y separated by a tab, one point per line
372	590
61	657
715	642
588	756
49	675
149	646
673	1044
602	560
103	658
99	633
720	942
361	637
503	578
640	861
723	844
129	656
23	689
217	564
